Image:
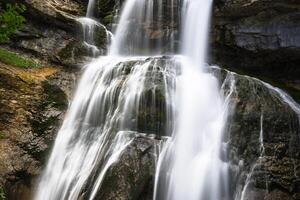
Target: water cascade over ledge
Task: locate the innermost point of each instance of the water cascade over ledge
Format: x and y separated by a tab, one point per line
191	167
142	91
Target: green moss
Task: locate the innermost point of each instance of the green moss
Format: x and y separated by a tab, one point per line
2	136
73	50
108	19
2	194
16	60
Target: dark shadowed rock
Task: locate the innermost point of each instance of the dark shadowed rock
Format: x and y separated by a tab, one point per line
132	176
259	37
263	140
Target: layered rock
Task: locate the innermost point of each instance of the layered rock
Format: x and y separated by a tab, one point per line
53	33
259	37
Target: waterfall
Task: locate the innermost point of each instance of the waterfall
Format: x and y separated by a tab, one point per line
107	113
143	29
193	168
95	131
90	9
89	30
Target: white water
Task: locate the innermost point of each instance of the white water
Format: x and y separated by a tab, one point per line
193	168
92	136
90	9
89	26
107	105
141	30
104	116
262	151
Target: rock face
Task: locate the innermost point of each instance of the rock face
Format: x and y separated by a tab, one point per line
132	177
53	33
32	106
263	140
259	37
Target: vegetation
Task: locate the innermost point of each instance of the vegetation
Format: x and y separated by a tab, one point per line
11	20
2	136
2	195
16	60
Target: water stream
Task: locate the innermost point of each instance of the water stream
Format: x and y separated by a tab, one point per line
116	90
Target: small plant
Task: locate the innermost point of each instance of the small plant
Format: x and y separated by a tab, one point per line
16	60
2	136
10	20
2	194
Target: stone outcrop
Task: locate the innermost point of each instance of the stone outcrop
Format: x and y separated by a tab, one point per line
53	33
263	140
259	37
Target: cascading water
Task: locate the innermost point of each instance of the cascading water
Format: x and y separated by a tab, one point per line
191	167
95	131
145	28
123	96
108	101
111	95
89	27
120	97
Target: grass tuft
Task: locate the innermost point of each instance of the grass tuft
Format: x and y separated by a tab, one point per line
16	60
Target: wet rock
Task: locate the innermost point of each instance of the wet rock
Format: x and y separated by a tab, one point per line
152	116
263	137
132	176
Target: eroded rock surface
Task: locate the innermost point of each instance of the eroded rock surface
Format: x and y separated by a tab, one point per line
32	107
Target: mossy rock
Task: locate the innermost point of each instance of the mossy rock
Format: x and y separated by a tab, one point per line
73	53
